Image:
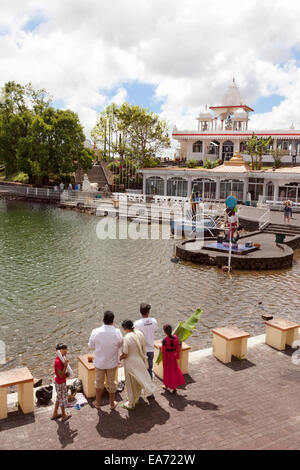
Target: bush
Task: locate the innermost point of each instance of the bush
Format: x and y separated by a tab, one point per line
192	163
209	164
21	177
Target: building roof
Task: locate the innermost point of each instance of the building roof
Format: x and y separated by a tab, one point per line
232	95
231	99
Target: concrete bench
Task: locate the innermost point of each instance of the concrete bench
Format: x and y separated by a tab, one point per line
24	381
229	341
183	362
280	332
87	374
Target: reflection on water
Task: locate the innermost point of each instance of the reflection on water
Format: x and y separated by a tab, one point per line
57	278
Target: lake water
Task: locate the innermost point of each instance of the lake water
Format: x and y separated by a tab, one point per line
57	278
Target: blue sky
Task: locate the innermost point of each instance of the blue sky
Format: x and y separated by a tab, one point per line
265	104
141	94
33	22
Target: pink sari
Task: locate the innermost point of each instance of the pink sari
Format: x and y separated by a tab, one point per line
172	376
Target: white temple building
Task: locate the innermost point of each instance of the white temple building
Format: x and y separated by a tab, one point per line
222	134
224	130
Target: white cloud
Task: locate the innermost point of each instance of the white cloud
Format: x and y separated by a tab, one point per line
188	49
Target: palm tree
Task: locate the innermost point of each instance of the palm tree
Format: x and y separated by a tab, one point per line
261	147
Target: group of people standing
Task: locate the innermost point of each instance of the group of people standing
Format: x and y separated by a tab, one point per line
137	354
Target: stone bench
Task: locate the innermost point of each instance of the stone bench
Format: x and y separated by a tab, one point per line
87	374
24	381
229	341
280	332
183	361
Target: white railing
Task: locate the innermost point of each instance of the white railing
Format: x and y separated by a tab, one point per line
28	191
259	214
170	200
264	220
77	197
130	197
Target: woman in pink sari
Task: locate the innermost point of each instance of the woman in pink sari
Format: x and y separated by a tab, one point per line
172	375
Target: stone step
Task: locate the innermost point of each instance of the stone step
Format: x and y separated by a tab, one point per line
95	175
284	232
292	227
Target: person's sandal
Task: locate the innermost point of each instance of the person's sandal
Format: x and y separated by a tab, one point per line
55	417
124	405
95	405
68	417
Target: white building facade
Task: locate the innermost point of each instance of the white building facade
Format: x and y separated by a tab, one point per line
222	134
233	177
224	130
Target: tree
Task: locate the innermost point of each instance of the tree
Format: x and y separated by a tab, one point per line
277	156
147	134
256	148
37	139
136	133
261	147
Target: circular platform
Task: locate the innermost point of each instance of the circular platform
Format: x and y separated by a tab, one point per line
269	256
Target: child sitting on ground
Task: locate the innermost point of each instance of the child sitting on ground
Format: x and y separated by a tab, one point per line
60	368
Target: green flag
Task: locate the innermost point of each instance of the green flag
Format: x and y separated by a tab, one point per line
184	329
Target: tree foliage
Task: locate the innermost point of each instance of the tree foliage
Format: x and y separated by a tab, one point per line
130	132
256	148
37	139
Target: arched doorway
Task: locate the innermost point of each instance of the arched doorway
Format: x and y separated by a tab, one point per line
177	187
155	185
205	187
232	187
214	148
227	150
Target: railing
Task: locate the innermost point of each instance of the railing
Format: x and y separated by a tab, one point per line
260	215
129	197
30	192
264	220
87	199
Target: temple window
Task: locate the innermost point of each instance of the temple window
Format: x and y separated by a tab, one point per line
177	187
155	185
197	147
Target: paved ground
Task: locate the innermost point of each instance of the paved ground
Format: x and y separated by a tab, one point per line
249	404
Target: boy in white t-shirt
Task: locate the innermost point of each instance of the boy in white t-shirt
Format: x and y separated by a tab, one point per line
147	325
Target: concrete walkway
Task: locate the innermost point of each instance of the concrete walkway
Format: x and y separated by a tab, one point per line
249	404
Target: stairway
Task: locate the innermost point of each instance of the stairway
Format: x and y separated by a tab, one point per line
290	230
95	175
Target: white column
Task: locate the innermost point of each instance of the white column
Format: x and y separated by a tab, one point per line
276	190
189	186
264	190
204	149
218	189
245	191
165	185
236	146
144	184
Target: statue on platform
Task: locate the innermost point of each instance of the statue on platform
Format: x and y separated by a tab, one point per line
228	123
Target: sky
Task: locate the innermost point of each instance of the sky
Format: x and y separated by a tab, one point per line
172	57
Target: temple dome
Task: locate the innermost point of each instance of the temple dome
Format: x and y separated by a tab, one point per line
232	96
205	114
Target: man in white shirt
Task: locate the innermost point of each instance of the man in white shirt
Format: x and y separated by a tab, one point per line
106	341
147	325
